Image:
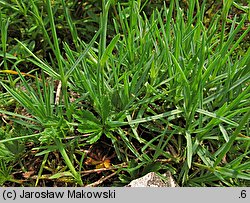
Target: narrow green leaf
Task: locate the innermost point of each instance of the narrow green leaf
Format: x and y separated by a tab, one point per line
41	64
189	148
94	138
86	50
170	115
57	50
232	138
232	173
177	65
61	174
221	118
105	107
89	127
109	49
224	132
205	156
129	144
83	115
19	138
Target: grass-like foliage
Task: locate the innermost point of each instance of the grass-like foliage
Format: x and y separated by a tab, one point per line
157	91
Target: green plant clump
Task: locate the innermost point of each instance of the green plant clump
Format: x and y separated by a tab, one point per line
137	90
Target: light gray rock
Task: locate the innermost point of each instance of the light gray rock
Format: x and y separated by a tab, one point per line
153	180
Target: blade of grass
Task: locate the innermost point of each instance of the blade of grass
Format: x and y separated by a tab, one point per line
49	70
82	55
232	139
189	149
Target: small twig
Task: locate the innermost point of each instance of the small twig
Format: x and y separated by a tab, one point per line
76	136
58	92
103	169
58	180
47	176
101	180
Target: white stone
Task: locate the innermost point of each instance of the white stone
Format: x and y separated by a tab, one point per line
153	180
